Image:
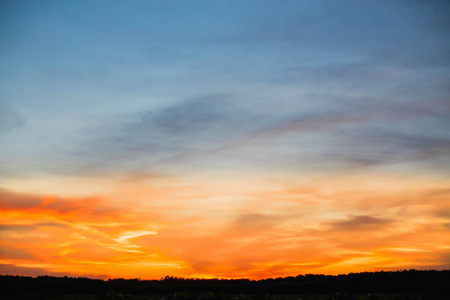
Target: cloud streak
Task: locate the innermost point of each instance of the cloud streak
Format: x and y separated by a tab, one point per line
360	223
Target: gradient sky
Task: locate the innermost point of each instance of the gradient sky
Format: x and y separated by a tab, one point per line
224	138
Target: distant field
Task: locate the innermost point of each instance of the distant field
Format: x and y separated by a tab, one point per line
211	296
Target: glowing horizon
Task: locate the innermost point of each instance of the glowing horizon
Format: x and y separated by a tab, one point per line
215	139
216	236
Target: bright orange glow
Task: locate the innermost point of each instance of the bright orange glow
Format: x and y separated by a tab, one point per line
229	229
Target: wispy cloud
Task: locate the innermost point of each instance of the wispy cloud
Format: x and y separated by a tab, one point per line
133	234
360	223
11	269
10	119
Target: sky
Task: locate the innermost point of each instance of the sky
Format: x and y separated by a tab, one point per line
224	139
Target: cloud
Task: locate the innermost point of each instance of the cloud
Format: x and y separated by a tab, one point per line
124	237
64	208
353	135
9	119
202	265
216	130
13	252
376	148
293	238
167	134
11	269
443	212
360	223
321	122
257	222
16	228
12	200
71	235
191	116
28	227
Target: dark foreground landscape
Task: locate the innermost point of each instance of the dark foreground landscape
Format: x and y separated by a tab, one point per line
410	284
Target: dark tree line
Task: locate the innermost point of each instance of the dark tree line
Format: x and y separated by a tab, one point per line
411	281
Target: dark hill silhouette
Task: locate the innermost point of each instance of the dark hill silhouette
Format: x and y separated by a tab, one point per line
412	281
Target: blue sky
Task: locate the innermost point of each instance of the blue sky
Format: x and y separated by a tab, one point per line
79	76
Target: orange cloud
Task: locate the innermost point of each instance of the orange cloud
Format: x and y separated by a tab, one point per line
227	229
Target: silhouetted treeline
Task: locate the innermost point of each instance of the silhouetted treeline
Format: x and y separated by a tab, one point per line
411	281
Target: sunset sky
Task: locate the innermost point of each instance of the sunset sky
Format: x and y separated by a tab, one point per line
228	139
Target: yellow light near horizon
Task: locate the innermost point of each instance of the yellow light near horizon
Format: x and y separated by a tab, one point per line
249	230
